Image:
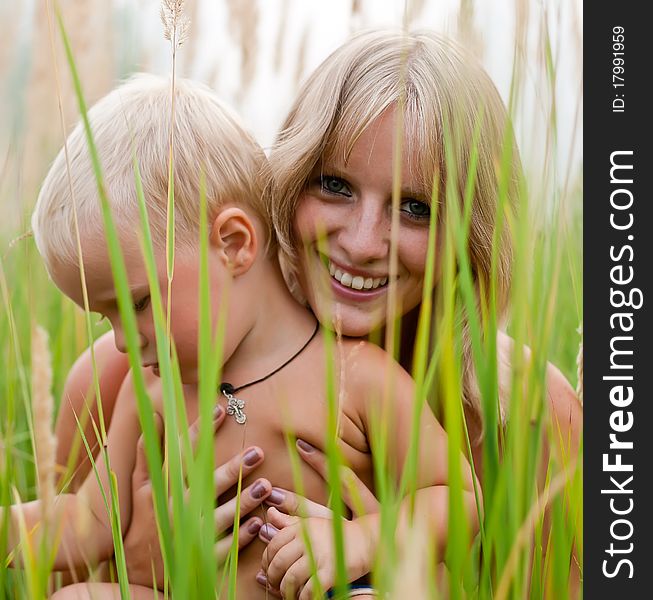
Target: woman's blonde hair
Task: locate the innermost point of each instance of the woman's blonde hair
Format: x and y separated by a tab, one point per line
134	121
445	95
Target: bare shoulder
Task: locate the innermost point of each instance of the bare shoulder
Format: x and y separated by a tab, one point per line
369	373
368	365
565	409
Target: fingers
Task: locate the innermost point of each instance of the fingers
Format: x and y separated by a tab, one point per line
355	493
291	503
307	592
280	520
278	541
261	579
227	475
267	532
279	567
141	474
250	498
194	430
247	532
295	578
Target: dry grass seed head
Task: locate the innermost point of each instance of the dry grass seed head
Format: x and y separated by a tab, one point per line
43	407
175	23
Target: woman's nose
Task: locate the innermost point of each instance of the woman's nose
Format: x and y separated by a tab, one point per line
366	238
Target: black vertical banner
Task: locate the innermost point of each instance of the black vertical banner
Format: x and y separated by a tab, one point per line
618	239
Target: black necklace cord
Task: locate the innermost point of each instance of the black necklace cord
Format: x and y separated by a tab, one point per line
227	388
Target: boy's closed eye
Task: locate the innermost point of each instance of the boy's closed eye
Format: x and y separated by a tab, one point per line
142	304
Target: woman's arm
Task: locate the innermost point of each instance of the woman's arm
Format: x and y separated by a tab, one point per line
285	561
82	519
142	547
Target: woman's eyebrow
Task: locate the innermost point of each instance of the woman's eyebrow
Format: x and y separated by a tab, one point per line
330	168
416	194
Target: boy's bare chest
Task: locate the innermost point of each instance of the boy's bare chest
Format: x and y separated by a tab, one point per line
277	413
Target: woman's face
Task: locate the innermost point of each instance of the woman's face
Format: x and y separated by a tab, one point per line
344	220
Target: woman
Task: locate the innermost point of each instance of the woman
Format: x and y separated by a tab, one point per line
335	168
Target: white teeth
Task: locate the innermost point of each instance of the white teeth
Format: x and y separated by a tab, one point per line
356	282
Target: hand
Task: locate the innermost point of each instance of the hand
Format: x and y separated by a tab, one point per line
142	549
286	562
356	495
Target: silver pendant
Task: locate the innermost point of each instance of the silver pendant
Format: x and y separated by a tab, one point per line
235	408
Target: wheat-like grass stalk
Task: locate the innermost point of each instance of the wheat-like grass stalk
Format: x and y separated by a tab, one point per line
175	29
175	23
43	407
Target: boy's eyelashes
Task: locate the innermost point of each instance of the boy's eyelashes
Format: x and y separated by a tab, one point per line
142	304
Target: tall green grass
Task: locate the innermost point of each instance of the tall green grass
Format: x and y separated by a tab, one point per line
516	555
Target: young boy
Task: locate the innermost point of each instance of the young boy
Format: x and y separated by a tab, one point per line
273	355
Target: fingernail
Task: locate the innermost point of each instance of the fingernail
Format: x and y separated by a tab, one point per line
276	497
258	491
305	446
267	531
251	457
217	412
254	527
261	578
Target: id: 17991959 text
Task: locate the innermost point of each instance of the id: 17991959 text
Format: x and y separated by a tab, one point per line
618	69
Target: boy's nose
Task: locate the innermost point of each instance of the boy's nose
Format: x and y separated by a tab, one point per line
121	342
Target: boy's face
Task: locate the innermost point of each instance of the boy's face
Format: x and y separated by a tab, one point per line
184	307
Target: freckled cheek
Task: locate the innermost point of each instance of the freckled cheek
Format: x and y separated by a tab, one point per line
412	255
313	219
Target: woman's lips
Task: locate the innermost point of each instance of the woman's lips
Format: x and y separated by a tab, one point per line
354	284
347	293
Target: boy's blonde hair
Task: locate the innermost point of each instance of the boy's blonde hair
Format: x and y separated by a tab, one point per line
134	121
446	95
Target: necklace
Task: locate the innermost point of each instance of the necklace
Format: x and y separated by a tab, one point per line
236	406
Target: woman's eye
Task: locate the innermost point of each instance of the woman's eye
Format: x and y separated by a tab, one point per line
334	185
142	304
416	209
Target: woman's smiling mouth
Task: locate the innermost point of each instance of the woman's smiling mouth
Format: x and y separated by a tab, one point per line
356	282
349	283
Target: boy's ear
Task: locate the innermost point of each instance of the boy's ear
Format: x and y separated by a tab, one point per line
233	235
